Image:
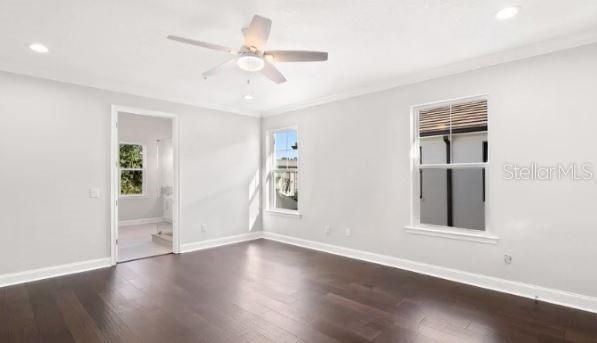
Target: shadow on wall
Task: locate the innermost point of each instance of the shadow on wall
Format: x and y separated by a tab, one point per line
226	204
222	214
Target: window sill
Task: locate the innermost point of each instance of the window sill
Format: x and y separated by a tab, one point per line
125	197
452	233
283	213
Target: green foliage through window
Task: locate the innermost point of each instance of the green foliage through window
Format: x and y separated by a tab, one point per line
131	182
131	169
131	156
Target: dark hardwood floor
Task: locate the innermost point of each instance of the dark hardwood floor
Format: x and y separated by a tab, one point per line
264	291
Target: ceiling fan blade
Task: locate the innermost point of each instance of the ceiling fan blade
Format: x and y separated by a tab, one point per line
258	31
296	55
228	65
202	44
272	73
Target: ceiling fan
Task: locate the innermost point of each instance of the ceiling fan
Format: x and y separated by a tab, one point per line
252	56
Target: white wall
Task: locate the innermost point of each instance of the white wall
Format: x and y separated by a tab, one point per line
146	131
355	172
54	146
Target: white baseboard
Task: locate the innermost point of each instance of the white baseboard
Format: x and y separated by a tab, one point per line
49	272
77	267
550	295
212	243
140	221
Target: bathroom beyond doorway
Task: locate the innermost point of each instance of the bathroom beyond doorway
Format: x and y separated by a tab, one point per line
144	185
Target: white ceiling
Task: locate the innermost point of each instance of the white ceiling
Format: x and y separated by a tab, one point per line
120	45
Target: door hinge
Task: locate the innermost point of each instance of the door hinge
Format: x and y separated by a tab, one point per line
116	202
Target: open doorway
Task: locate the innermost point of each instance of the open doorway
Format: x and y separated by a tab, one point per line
144	184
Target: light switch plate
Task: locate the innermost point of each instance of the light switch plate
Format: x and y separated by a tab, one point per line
94	193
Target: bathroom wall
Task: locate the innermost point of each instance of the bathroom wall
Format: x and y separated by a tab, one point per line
147	131
166	176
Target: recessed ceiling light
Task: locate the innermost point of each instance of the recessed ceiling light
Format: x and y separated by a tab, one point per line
39	48
507	13
248	97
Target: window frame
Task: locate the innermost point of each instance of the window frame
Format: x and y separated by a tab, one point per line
270	167
143	171
416	227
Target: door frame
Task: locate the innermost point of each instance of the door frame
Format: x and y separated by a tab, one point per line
114	179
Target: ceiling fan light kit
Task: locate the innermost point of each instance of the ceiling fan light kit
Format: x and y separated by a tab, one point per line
251	56
250	63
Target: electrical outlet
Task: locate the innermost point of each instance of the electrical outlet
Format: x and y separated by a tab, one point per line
507	259
327	230
203	228
348	232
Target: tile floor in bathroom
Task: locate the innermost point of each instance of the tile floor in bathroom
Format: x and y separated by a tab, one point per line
134	241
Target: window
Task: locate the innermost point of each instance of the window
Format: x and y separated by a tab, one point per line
132	164
450	167
283	178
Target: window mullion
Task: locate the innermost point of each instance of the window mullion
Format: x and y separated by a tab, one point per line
453	165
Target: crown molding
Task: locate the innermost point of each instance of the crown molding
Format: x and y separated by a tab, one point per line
522	52
133	91
519	53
